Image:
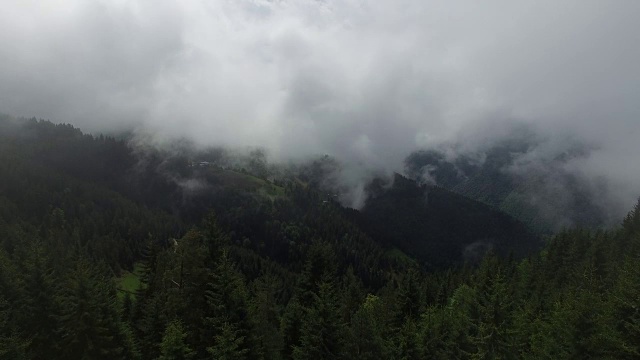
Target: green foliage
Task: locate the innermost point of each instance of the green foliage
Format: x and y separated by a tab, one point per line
321	331
264	311
12	345
368	330
547	199
438	227
173	346
95	267
228	344
227	299
129	282
89	319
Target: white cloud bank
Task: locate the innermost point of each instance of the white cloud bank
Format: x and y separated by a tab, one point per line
366	81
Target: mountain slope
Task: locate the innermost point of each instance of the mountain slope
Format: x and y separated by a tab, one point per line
541	192
283	271
440	227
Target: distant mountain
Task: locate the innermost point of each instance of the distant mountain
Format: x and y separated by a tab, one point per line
540	191
440	227
427	223
110	250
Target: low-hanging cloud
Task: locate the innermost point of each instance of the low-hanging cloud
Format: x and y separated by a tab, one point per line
365	81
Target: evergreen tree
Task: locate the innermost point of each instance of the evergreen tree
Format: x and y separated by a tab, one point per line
625	311
367	331
291	326
408	297
151	325
173	346
89	316
446	332
493	336
41	308
130	345
322	331
264	313
227	299
12	345
352	295
229	344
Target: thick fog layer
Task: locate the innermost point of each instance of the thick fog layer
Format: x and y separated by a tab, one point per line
365	81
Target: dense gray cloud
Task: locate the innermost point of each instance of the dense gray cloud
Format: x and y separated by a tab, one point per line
366	81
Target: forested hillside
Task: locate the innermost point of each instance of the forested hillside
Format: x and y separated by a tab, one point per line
233	266
439	227
542	193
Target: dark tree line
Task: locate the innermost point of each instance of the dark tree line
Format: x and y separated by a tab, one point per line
578	298
286	275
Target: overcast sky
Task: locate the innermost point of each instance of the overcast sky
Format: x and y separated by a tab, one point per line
366	81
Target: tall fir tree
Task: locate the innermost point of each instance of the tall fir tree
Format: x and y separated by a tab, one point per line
227	299
173	346
89	315
322	331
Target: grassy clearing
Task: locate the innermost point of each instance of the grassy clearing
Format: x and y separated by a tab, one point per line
400	257
271	191
249	183
129	281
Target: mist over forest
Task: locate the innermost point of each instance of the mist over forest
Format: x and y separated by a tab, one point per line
366	83
336	179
